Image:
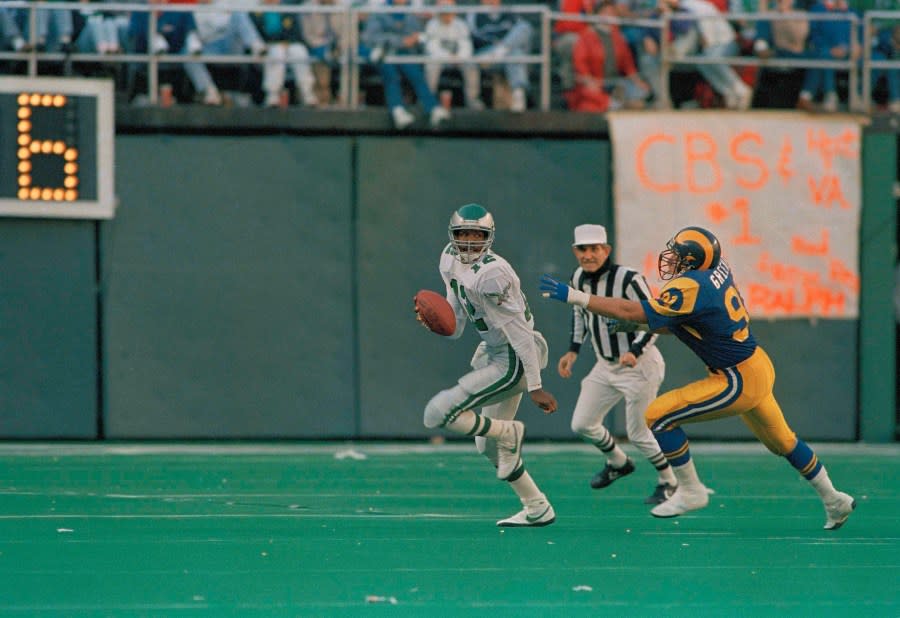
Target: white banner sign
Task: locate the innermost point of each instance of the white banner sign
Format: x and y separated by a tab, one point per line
781	192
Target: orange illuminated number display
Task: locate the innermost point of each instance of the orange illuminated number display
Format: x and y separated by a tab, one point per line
57	147
47	166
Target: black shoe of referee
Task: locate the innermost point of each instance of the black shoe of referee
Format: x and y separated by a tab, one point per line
609	474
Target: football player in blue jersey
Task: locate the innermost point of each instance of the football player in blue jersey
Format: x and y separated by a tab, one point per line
701	305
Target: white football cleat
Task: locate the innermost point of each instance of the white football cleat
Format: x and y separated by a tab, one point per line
509	449
838	510
532	516
681	502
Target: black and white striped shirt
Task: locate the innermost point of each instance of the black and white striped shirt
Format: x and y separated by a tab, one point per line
613	281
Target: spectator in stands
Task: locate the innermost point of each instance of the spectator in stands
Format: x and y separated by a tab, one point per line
326	39
447	37
628	10
605	74
497	35
828	40
10	36
565	35
281	32
646	45
176	34
401	34
223	32
781	39
887	47
54	29
100	31
712	37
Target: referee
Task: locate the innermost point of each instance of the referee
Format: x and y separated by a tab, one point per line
628	365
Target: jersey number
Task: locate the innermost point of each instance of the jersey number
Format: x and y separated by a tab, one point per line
479	323
734	304
460	292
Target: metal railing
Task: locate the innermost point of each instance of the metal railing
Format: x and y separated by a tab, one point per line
868	64
542	58
669	59
350	62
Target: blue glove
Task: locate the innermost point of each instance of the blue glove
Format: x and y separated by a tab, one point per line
551	288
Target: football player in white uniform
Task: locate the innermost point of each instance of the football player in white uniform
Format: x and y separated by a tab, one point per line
484	289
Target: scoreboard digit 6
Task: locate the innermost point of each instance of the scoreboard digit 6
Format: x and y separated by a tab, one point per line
56	148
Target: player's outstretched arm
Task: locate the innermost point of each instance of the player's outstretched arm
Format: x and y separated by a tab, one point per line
618	308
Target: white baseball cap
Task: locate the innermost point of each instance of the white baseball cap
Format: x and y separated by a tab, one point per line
589	234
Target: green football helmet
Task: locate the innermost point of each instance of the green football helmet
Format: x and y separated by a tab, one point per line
471	217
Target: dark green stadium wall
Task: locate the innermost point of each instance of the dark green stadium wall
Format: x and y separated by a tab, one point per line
48	329
228	278
261	287
878	259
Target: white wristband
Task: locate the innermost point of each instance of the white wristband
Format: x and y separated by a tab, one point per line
577	297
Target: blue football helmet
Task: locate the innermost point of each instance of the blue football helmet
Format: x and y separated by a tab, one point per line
471	217
692	248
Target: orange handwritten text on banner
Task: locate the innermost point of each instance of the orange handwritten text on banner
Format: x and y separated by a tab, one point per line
806	299
703	162
844	145
785	273
784	160
738	146
840	274
742	206
641	156
802	246
718	212
826	191
700	152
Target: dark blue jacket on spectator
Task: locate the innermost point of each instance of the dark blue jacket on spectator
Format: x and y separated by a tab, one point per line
827	34
174	26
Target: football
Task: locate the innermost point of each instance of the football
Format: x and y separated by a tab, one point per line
436	312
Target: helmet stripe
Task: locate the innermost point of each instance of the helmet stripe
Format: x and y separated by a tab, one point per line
689	235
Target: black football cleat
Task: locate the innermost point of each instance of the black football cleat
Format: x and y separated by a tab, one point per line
609	474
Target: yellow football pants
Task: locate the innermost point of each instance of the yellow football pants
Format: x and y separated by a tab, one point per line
744	390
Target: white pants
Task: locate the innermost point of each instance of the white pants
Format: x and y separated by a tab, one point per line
281	57
606	384
492	385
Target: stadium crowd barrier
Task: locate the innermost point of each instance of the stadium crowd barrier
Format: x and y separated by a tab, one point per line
349	61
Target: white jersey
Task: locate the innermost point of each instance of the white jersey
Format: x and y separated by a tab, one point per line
488	294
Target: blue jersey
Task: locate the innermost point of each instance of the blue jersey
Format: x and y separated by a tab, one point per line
705	310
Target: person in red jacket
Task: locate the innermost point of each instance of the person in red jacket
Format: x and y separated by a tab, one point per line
565	35
606	77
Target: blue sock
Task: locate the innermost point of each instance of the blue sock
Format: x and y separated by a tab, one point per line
804	459
674	445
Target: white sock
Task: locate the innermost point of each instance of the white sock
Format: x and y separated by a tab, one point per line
615	456
822	484
666	476
527	489
470	424
687	477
